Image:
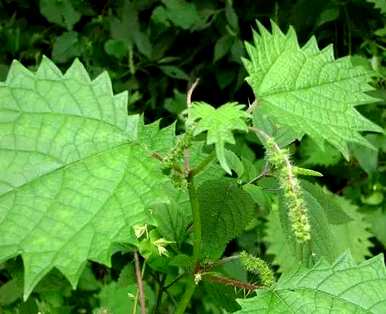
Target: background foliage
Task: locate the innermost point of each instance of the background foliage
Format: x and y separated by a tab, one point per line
155	49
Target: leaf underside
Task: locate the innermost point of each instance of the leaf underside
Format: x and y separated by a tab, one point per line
343	287
306	89
73	178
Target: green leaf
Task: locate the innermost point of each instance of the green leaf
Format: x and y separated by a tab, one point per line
283	135
231	16
219	123
60	12
378	224
234	162
331	233
66	47
333	210
174	72
74	181
379	4
223	45
116	299
156	139
259	196
343	287
313	155
225	211
116	48
224	297
182	13
367	158
307	89
173	219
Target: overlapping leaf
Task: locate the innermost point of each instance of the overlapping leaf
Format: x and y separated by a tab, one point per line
225	211
73	179
306	89
343	287
219	123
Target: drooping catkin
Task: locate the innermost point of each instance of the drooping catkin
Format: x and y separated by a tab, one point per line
259	267
292	193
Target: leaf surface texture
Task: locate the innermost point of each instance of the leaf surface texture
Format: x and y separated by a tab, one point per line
306	89
74	180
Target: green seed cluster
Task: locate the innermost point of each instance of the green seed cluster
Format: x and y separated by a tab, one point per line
171	162
297	210
257	266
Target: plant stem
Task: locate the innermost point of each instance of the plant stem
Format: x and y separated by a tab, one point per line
231	282
140	283
196	244
196	220
160	291
186	297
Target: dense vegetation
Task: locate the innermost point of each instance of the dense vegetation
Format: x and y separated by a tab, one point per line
123	191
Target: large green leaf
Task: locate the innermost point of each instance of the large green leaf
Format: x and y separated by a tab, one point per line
73	178
219	123
307	89
343	287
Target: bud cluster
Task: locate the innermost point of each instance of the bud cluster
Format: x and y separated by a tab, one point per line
170	163
259	267
292	193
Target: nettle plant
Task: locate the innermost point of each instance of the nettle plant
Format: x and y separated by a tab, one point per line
81	180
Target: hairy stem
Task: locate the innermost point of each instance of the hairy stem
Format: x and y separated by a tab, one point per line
231	282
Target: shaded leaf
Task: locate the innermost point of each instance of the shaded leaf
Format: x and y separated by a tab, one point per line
225	212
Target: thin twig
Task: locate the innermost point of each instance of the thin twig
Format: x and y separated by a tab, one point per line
231	282
140	283
174	281
264	173
175	167
252	107
161	283
190	92
189	104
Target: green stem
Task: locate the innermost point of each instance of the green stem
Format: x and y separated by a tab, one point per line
186	298
196	244
196	220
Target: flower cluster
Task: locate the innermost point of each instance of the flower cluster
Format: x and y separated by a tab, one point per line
171	162
292	193
257	266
